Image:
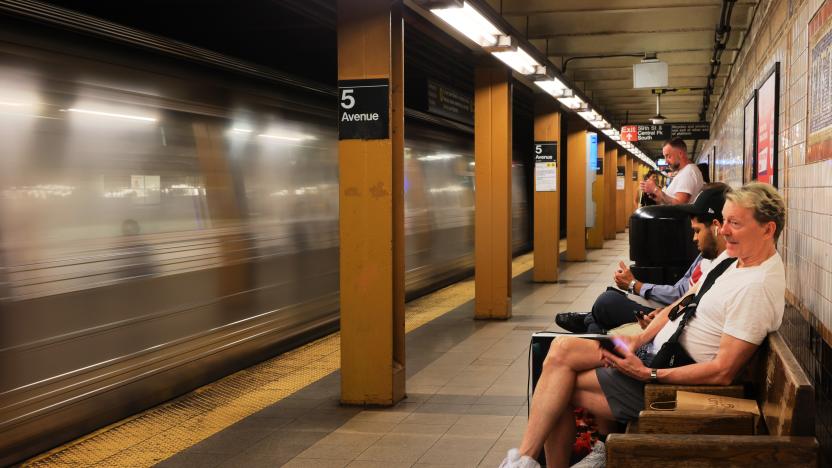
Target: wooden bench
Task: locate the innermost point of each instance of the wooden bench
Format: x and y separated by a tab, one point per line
784	436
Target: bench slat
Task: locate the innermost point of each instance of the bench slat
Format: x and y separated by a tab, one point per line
696	422
640	450
787	400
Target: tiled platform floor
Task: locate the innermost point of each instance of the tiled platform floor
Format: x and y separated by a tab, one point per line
466	388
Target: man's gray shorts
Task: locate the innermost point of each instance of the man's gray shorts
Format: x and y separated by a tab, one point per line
624	394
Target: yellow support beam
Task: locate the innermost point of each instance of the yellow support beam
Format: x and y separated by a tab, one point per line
492	175
628	189
610	161
546	203
621	193
576	195
595	237
370	46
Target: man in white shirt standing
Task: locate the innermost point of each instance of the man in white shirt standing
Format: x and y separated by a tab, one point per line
688	181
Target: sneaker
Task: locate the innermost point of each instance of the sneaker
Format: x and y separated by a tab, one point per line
572	321
597	458
514	460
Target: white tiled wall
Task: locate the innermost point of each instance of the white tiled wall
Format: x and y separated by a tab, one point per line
779	33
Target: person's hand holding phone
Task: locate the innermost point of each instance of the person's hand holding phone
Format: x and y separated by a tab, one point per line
648	186
645	319
624	359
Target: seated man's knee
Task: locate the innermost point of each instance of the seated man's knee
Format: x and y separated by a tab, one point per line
561	352
604	301
611	310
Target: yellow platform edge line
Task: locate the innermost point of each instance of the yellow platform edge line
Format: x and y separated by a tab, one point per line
158	433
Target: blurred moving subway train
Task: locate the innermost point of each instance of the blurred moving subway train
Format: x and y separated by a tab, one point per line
164	222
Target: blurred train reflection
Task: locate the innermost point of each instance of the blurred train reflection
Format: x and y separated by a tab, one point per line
161	226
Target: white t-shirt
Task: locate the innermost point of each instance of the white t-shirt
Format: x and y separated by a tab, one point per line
688	180
746	303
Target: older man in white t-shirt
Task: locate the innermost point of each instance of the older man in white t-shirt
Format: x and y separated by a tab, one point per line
688	181
745	302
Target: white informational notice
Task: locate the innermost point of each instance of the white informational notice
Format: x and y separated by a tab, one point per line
545	176
619	183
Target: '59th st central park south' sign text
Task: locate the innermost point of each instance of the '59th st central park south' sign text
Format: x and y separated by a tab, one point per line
363	109
683	130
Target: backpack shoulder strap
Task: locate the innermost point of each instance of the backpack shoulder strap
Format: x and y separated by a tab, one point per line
689	307
715	273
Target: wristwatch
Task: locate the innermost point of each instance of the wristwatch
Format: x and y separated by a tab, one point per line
654	376
631	288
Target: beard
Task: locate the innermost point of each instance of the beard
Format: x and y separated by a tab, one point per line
675	166
709	250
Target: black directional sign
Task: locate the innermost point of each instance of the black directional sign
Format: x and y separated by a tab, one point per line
546	151
649	132
363	109
691	130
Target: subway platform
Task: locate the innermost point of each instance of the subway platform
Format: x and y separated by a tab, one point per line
466	399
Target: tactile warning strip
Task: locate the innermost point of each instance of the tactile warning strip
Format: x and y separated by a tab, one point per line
159	433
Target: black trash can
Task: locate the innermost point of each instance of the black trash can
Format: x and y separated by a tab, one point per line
661	244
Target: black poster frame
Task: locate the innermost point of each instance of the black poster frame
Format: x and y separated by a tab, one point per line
750	172
774	72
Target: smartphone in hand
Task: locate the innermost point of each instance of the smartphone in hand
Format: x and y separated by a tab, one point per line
609	345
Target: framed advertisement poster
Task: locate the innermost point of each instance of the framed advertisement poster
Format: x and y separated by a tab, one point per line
749	140
819	123
768	108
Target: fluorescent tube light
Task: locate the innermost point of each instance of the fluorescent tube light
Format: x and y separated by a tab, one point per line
573	102
554	87
470	23
590	115
111	114
518	60
600	124
281	137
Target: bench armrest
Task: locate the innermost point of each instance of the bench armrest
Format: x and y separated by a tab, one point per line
660	392
640	450
695	422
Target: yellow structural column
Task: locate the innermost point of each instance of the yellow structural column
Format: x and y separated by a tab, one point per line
492	176
595	236
546	195
628	189
634	177
621	193
371	196
576	146
610	161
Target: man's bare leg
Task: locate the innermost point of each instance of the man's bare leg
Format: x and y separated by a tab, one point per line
553	394
557	452
587	394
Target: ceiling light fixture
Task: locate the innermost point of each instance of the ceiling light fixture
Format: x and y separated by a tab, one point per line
573	102
471	23
554	87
